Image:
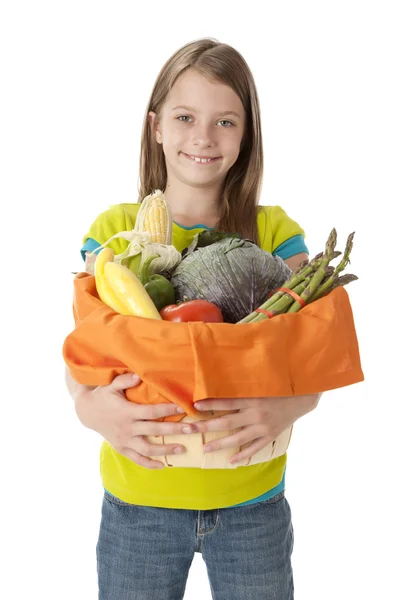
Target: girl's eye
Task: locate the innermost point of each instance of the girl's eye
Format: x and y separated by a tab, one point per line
183	118
227	123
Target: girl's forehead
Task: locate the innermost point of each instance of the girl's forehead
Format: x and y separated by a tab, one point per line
194	90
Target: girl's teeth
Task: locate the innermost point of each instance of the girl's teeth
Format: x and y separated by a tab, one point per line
202	160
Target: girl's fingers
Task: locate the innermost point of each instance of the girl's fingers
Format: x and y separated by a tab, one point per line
161	428
141	460
231	421
150	412
244	436
147	449
124	382
250	450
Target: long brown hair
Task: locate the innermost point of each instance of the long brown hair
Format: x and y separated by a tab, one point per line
242	186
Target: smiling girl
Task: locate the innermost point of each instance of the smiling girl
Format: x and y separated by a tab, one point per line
201	145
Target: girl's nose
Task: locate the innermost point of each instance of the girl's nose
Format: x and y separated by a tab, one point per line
202	135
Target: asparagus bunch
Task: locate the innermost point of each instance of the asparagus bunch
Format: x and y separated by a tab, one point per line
312	280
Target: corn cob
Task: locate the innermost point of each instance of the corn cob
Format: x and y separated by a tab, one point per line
129	291
155	217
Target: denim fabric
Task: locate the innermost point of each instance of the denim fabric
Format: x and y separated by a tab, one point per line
145	553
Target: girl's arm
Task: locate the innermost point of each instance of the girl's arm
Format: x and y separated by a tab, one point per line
294	261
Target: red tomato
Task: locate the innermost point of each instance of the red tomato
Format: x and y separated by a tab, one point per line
192	310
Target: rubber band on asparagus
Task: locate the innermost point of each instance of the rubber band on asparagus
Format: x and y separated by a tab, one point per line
295	296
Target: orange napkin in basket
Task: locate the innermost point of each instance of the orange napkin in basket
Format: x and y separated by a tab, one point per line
311	351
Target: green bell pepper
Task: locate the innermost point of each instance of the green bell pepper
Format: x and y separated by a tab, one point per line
159	288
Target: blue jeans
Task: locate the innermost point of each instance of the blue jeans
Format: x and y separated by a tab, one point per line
144	553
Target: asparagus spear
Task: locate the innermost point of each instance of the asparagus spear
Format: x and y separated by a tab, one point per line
344	280
282	304
341	266
317	266
311	281
339	281
319	274
309	267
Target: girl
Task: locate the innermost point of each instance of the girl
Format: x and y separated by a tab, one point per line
202	146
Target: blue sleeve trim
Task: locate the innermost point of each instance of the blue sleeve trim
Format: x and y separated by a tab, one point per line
89	246
292	246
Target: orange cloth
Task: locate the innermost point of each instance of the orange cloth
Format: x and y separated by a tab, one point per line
311	351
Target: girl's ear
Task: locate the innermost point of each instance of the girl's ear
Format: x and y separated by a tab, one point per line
155	126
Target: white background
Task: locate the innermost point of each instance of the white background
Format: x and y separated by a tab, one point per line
75	79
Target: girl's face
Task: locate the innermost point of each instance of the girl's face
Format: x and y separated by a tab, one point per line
201	127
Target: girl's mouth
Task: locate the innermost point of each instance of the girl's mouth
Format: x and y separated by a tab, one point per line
201	160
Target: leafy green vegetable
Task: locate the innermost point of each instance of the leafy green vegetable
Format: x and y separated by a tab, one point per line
233	273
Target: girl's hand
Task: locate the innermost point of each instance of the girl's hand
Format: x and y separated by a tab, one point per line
125	424
260	420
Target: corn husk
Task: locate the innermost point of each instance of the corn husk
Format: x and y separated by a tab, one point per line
142	247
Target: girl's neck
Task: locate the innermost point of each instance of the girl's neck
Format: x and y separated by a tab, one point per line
191	206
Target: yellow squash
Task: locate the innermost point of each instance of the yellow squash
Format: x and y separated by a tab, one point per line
104	289
130	292
120	289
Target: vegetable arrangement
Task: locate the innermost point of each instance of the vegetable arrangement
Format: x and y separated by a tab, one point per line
219	277
165	298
